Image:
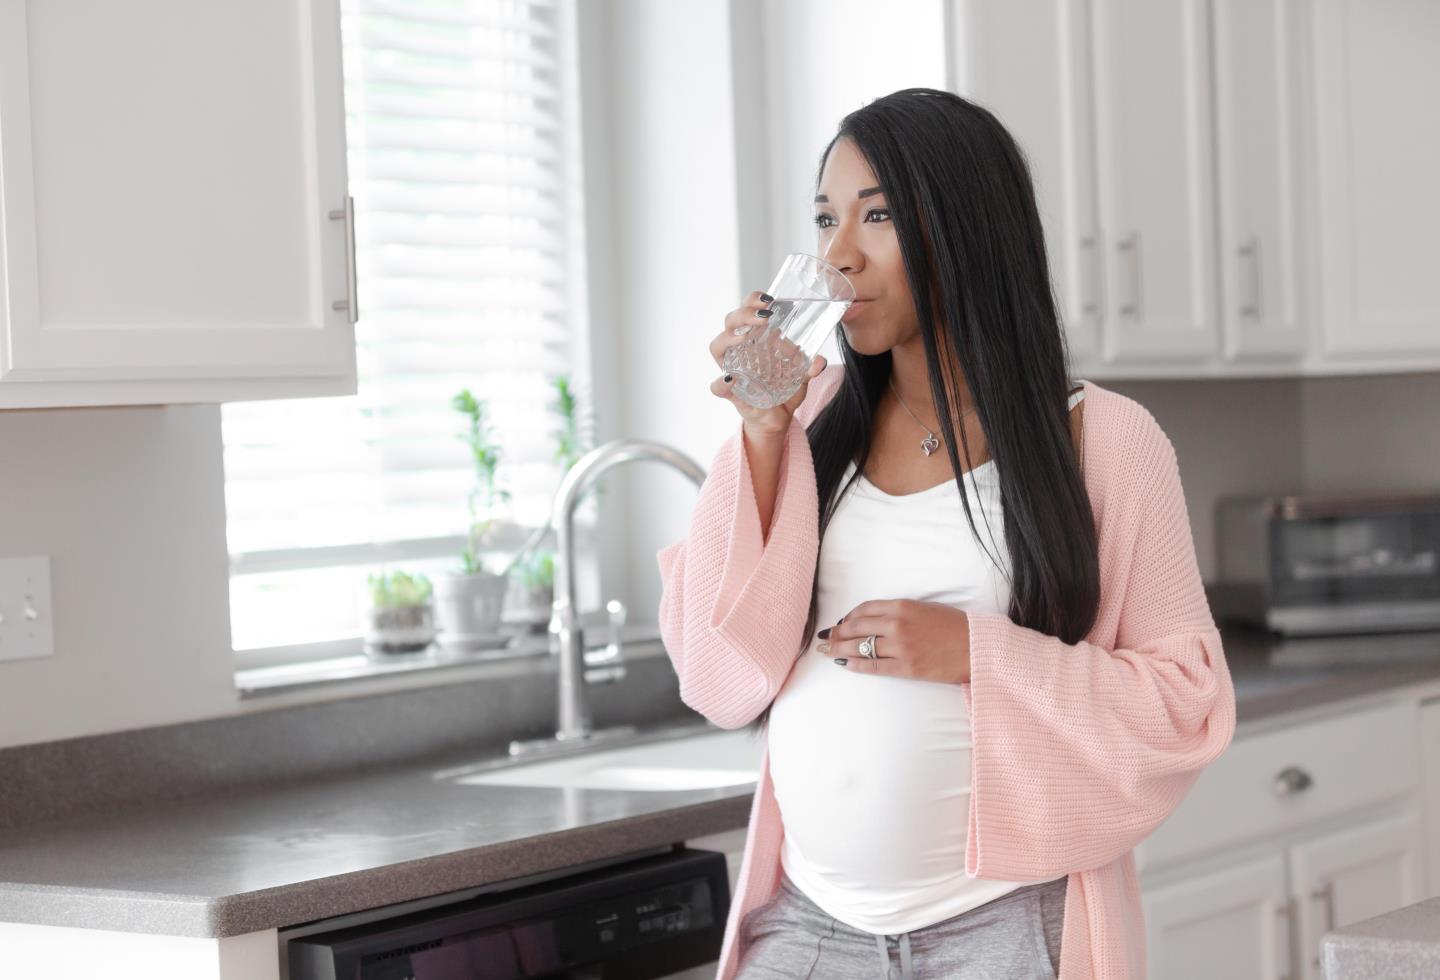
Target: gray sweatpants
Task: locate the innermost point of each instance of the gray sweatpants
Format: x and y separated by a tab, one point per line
1016	936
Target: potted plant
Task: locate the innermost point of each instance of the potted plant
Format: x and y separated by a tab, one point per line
401	614
535	573
534	567
468	603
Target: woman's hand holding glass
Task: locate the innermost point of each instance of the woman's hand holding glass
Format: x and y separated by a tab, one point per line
740	325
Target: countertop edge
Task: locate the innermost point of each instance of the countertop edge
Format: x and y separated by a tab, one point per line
321	898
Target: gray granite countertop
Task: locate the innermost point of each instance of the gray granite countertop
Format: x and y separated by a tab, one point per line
1403	943
229	864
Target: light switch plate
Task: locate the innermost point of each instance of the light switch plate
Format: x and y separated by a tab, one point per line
27	627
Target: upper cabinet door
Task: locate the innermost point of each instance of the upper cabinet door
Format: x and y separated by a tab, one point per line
1029	63
1377	131
174	198
1256	147
1157	211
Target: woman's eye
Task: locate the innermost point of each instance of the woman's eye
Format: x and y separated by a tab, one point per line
820	219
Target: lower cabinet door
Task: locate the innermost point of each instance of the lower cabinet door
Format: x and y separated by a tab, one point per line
1233	923
1351	875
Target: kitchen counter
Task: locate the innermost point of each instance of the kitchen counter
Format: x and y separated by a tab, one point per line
230	864
1403	943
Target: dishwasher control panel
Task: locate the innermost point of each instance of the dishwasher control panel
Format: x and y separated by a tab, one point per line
638	920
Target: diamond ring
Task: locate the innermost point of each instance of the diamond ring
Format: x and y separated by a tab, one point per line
867	646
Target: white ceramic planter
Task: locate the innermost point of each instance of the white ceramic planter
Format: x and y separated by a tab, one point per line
468	609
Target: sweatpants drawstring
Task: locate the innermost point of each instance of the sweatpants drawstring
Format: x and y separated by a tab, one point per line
906	971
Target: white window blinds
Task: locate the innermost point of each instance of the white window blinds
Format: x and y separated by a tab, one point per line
462	160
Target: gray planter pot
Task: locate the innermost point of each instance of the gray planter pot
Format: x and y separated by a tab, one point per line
398	629
535	608
468	609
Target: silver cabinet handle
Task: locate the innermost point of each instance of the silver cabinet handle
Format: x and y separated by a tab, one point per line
1091	304
1292	780
1131	244
351	302
1287	912
1326	894
1251	251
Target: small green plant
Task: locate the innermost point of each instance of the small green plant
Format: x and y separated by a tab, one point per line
397	589
537	570
570	445
485	493
483	450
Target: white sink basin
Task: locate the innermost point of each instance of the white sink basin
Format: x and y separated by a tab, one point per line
712	760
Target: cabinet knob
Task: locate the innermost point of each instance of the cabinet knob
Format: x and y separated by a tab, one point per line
1292	780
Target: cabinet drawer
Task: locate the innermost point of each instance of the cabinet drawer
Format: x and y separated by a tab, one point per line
1335	764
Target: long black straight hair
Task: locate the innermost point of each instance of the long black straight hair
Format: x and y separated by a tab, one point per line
963	205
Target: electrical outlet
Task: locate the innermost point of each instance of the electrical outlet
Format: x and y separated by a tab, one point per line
26	618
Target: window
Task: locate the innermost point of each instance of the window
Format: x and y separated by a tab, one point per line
464	165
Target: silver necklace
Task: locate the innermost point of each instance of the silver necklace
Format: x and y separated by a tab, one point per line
929	444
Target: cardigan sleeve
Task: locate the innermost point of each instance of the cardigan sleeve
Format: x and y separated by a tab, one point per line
1079	752
734	601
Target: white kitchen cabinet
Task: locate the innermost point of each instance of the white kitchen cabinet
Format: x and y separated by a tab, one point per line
1257	150
176	221
1353	874
1229	188
1298	828
1248	905
1262	919
1153	128
1430	793
1030	63
1377	134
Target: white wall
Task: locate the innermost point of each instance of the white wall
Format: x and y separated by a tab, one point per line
129	504
739	196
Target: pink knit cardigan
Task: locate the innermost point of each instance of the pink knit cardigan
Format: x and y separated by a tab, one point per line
1079	750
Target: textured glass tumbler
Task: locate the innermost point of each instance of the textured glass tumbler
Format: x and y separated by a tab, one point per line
810	297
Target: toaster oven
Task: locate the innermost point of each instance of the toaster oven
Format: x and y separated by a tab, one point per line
1307	565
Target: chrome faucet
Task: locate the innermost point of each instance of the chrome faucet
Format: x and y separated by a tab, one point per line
578	665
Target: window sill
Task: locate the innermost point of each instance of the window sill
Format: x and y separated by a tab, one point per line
525	653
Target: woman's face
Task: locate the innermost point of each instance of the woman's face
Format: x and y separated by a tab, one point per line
854	232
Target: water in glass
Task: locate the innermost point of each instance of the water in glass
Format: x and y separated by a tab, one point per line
770	368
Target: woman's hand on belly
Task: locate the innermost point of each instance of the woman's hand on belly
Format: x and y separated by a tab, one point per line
928	641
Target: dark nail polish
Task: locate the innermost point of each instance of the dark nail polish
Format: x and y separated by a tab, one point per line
764	312
825	633
767	297
728	377
841	661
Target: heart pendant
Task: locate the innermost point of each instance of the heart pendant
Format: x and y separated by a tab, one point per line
929	444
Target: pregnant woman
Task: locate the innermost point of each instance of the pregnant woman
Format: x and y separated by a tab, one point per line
953	590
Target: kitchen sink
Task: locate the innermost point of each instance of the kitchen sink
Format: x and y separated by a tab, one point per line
705	759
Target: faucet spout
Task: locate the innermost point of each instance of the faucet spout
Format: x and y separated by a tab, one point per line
574	725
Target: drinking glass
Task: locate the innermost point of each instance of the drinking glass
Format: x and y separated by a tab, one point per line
810	297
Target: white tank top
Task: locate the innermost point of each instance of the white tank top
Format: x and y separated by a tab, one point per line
872	773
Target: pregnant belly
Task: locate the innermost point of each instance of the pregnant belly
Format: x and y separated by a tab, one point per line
871	774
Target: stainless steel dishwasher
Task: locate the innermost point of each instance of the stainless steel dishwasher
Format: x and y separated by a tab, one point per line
641	918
